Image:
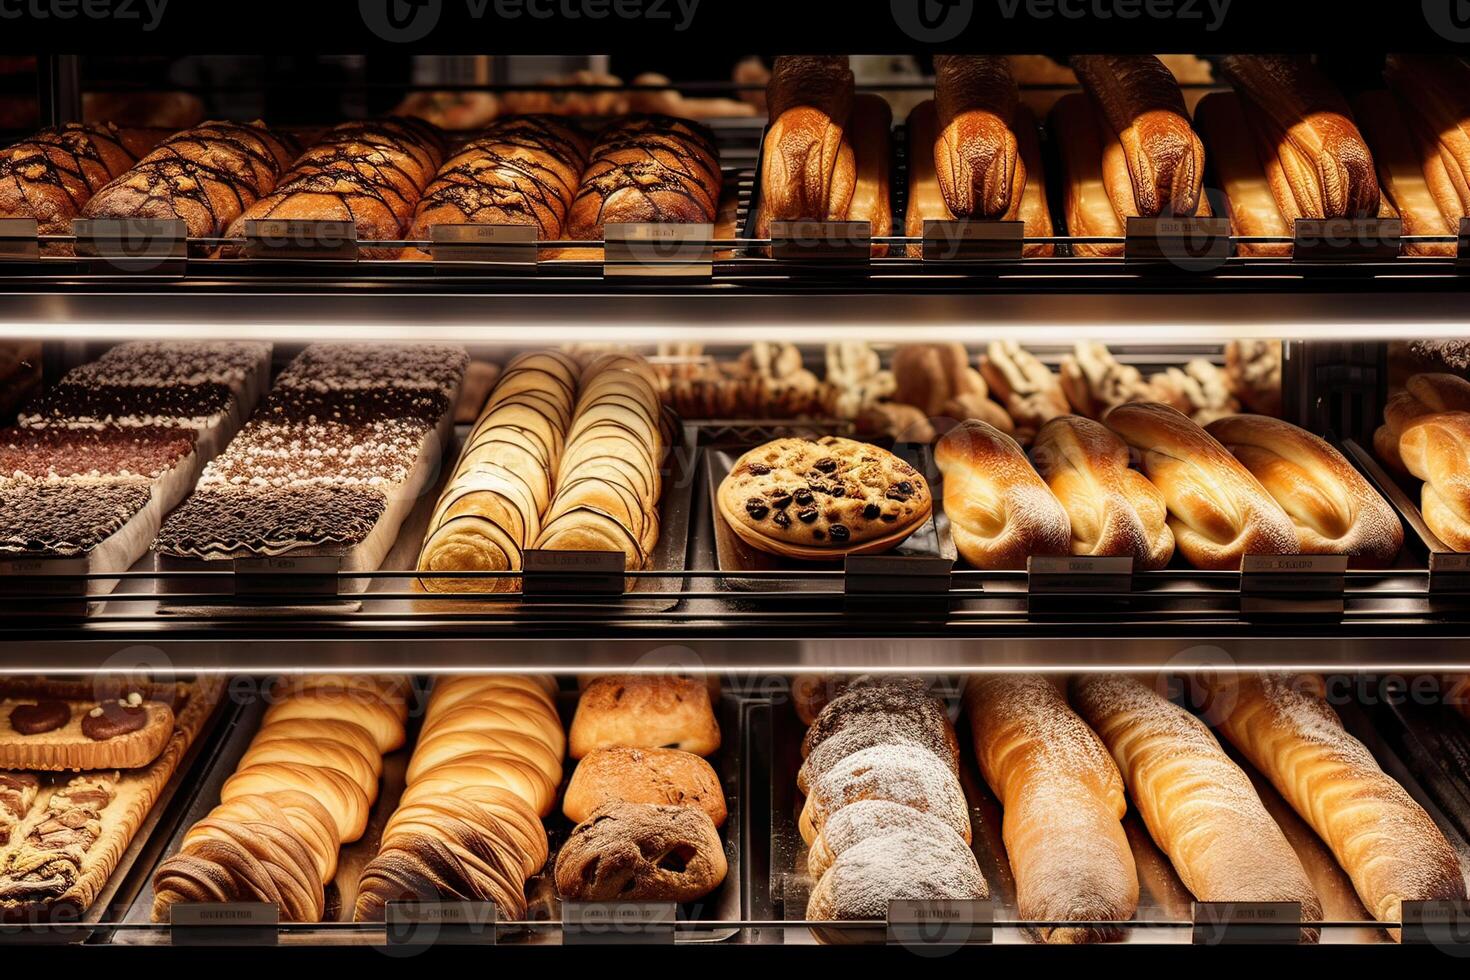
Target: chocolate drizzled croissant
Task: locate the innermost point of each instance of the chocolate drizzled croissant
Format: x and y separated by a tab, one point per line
459	862
648	169
206	176
248	861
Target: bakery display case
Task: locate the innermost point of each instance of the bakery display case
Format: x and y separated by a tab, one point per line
632	487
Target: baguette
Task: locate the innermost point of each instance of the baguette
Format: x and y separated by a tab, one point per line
1198	805
1335	510
869	129
1250	201
1402	160
1113	509
1317	161
648	169
1382	838
1089	208
976	156
809	169
370	173
1143	109
1064	803
206	176
1433	90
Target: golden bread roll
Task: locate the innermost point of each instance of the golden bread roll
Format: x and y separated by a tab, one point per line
503	770
645	711
1000	512
1064	803
455	744
1218	511
320	753
1113	510
809	170
449	691
1423	394
345	733
1382	838
976	156
668	777
928	376
383	720
496	715
1436	449
1334	509
1198	805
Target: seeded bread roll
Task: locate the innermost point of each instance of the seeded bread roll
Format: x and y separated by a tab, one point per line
648	169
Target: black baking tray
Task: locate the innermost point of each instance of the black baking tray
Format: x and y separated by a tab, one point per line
725	904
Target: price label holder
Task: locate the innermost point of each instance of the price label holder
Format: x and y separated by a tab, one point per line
419	924
1462	253
291	238
973	241
1247	923
573	573
224	924
618	923
1193	243
657	251
294	578
1347	239
24	580
1439	923
1292	585
135	245
20	240
1054	585
940	922
1449	573
493	248
921	584
820	243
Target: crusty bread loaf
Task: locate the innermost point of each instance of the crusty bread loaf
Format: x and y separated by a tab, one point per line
1317	161
1113	509
1218	511
1143	109
1089	208
370	173
1064	804
809	170
1334	509
1402	158
1382	838
645	711
1433	92
1423	394
1251	203
869	129
977	159
1198	805
1436	449
647	169
1000	511
651	775
206	176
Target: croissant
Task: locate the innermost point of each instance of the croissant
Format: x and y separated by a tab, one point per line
248	861
459	862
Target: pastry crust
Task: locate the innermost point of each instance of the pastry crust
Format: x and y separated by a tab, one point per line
790	497
67	748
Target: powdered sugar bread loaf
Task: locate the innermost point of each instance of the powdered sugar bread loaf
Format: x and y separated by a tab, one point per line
1199	806
902	774
902	710
1064	803
1382	838
1113	509
1000	512
869	819
904	865
1218	511
1334	509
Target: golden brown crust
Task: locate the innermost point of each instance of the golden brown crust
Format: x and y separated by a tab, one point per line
648	169
977	158
869	128
53	174
645	711
1432	89
667	777
1035	212
1436	449
1423	394
1401	159
809	170
1090	211
1252	207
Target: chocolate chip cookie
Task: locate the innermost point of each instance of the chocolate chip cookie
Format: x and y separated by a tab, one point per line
818	498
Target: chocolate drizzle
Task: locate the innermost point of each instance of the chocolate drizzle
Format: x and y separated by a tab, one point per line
658	168
52	175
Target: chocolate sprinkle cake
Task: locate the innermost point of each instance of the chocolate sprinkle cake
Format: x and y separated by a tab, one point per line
226	522
360	406
108	452
269	453
88	403
346	367
66	519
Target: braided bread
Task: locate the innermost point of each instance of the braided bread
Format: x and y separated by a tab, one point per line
1436	449
300	811
383	719
648	169
343	798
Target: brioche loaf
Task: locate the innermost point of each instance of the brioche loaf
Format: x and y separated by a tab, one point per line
809	169
977	159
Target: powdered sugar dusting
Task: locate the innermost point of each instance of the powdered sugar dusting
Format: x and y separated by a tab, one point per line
898	773
905	865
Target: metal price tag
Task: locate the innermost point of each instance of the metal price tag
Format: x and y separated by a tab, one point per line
1462	253
572	573
19	239
1449	572
1080	574
955	241
1347	239
290	238
23	580
1247	923
885	575
940	922
451	923
224	924
1438	923
140	245
1292	584
660	251
1193	242
499	245
286	576
822	241
618	923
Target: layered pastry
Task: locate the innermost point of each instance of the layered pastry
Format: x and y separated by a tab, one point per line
303	788
63	833
468	827
280	488
822	499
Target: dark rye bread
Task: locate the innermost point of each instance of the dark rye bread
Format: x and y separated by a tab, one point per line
370	173
520	171
648	169
205	176
53	174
